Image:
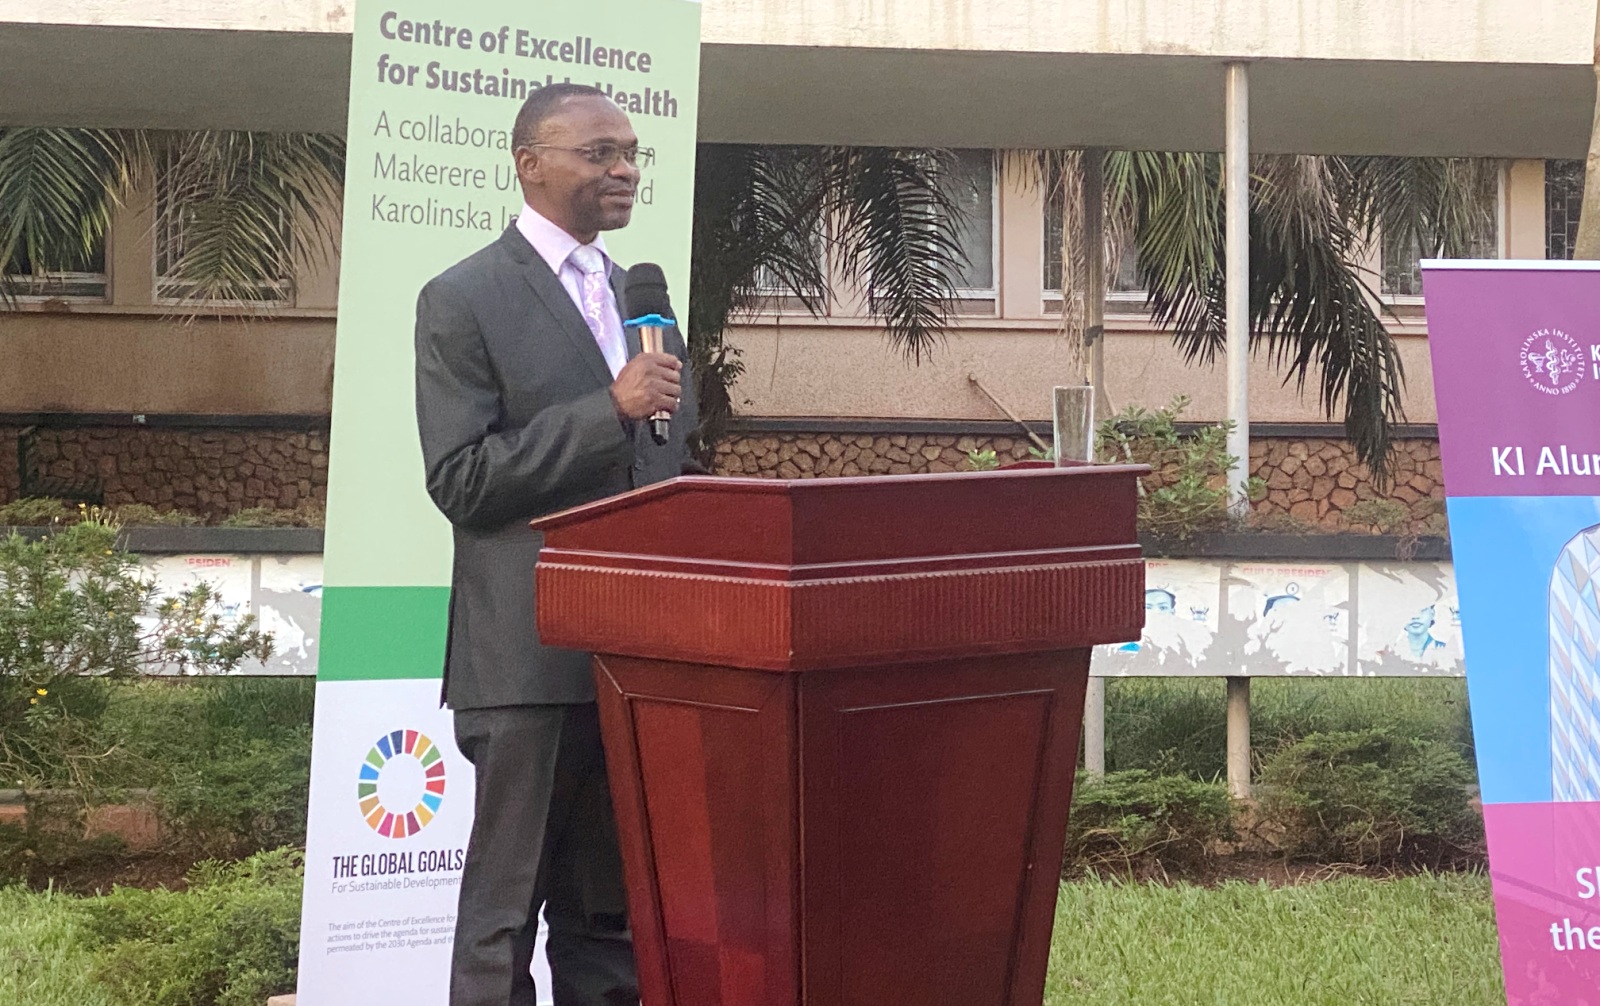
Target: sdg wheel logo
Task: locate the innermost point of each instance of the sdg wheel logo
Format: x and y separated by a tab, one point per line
401	784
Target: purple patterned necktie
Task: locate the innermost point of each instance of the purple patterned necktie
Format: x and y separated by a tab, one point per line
591	266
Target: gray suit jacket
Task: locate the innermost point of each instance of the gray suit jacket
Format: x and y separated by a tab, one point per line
516	422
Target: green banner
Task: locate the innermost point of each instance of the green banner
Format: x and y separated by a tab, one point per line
434	91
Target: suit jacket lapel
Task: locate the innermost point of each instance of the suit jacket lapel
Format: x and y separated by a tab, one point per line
536	273
619	281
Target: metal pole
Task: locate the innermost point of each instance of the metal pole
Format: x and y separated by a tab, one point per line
1239	738
1094	290
1094	321
1236	175
1094	728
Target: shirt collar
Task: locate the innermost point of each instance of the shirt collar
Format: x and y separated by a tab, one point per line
552	243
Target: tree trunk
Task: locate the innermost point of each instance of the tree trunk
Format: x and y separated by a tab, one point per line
1588	243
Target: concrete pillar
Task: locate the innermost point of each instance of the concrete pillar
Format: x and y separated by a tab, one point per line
1239	738
1236	176
1094	728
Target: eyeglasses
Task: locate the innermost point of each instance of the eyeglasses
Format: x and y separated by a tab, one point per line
605	155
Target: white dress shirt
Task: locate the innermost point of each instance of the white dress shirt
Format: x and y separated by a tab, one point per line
556	246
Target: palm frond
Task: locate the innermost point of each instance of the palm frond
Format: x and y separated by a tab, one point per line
758	220
899	231
757	223
1179	234
57	187
1440	206
242	208
1309	305
1313	310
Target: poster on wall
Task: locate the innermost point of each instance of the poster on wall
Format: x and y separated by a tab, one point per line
1295	618
1516	370
289	605
1182	613
435	89
1238	617
1410	619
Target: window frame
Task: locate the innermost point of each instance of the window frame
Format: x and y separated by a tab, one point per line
1497	242
1117	301
990	294
21	282
169	292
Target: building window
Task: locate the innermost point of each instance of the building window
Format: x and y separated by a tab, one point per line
178	213
970	186
1563	200
83	280
775	297
1401	260
968	183
1123	282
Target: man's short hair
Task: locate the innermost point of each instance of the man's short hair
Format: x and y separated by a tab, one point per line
542	104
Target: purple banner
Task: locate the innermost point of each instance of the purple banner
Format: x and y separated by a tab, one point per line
1516	365
1516	369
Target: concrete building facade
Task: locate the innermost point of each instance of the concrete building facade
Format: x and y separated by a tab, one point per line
1507	79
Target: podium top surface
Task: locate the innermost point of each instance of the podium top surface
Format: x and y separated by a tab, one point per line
811	522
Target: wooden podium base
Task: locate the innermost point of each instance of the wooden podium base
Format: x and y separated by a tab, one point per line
869	836
841	721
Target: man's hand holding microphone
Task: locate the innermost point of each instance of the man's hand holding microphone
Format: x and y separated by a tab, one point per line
649	383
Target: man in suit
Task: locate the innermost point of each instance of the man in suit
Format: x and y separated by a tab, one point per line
531	398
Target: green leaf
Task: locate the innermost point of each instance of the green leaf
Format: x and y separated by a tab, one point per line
57	187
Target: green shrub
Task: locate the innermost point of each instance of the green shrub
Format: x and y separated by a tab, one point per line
226	761
304	515
229	759
982	461
1383	516
74	604
33	511
1179	725
250	793
248	786
1138	824
144	515
1187	489
231	939
1373	798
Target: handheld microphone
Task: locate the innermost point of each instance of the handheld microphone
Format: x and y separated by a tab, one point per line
646	294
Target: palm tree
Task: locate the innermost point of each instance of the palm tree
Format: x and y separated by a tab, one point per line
893	224
1312	222
248	204
769	218
239	207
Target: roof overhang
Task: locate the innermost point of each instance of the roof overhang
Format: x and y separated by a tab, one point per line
1507	78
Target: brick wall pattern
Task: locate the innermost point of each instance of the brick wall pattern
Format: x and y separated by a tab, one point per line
216	472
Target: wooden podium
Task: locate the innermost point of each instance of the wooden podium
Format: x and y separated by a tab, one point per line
841	718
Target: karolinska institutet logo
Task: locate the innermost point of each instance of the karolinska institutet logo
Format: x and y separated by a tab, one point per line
401	784
1554	363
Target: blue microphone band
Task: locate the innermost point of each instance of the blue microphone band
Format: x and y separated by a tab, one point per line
649	321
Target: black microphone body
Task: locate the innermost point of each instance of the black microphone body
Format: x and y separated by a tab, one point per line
651	314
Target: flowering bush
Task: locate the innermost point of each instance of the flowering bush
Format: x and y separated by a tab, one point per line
72	605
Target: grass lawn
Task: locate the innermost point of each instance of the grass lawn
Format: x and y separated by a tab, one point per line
1345	942
44	956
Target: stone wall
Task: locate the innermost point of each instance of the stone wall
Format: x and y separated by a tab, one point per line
1320	482
1308	481
821	455
216	472
205	471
